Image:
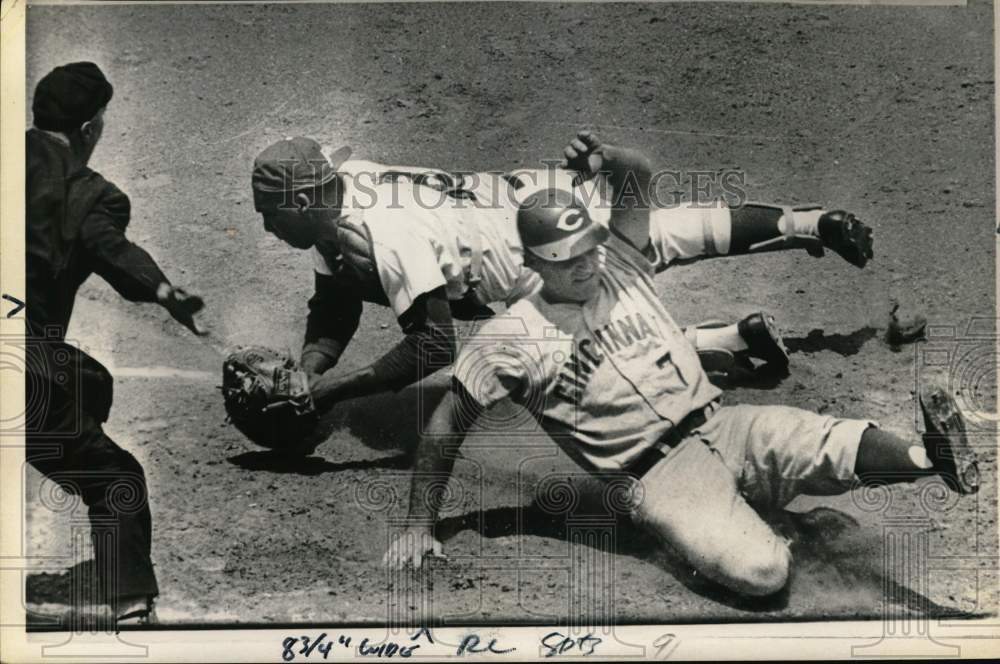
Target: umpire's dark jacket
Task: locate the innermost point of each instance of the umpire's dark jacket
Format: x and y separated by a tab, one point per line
75	225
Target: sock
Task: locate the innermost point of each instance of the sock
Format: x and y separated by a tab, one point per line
885	457
720	337
805	222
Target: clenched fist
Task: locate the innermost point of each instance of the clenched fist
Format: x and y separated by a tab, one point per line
584	154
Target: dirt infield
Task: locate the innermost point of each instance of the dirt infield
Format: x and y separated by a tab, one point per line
887	112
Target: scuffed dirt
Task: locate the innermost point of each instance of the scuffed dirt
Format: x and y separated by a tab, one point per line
883	111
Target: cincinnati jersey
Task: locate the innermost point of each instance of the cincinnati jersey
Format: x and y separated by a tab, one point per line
606	379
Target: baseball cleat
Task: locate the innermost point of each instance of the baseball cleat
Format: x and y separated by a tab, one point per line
139	613
848	236
763	339
945	440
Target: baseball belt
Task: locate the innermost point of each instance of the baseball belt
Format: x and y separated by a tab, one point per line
654	454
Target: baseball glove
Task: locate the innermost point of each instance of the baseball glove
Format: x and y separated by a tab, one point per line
267	398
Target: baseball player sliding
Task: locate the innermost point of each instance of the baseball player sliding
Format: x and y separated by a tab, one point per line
437	247
606	371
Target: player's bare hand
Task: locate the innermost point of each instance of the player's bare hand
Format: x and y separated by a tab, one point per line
583	154
412	547
183	306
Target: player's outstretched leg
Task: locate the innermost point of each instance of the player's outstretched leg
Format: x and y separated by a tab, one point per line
768	455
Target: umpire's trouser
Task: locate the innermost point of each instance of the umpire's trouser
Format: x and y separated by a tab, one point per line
703	497
68	446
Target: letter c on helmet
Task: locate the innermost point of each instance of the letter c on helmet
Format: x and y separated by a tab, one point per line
570	220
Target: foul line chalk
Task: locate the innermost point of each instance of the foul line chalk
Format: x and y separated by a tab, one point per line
163	372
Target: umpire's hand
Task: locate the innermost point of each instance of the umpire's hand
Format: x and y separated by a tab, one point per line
182	306
412	546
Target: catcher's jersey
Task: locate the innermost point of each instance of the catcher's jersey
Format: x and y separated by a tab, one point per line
426	225
606	379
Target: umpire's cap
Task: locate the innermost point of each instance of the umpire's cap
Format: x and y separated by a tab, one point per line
70	95
554	226
289	165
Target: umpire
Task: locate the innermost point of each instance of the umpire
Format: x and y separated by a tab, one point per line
75	226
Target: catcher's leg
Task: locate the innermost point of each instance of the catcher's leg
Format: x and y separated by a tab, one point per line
680	233
721	345
758	227
691	502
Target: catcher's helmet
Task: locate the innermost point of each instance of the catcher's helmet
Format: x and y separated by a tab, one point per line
555	226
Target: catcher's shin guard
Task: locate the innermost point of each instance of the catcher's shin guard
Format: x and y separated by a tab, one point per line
945	440
756	229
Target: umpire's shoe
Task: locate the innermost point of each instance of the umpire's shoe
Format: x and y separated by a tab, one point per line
763	339
947	445
140	612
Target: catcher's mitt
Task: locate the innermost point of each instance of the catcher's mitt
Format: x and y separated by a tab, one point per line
267	398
